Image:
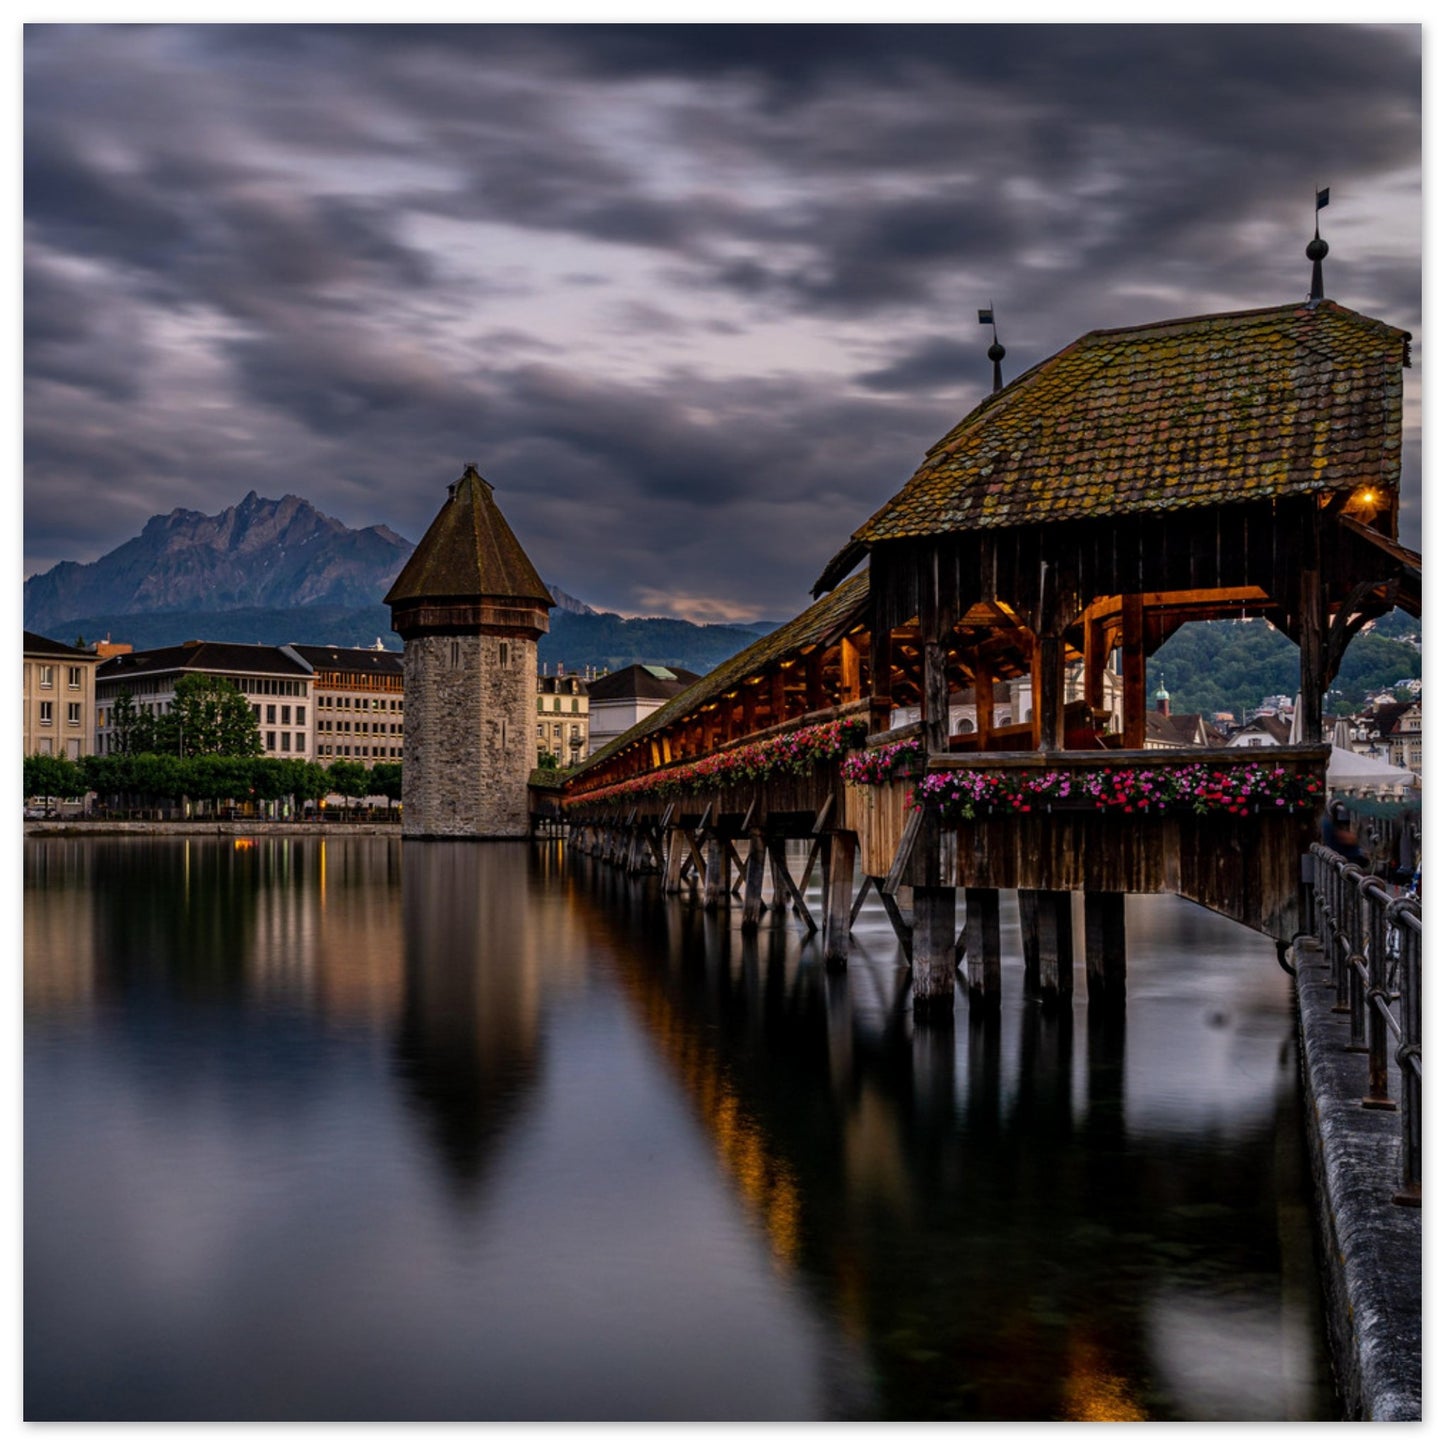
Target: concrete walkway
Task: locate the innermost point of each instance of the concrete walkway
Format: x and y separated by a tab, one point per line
1371	1246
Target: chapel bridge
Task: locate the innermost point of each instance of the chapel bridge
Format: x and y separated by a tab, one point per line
1225	466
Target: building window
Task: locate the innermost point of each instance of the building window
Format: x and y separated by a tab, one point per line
574	704
270	712
456	654
47	714
72	714
556	704
502	653
46	746
271	742
285	742
72	749
72	676
47	675
286	715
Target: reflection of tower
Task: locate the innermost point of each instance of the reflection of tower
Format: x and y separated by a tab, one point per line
468	1045
470	607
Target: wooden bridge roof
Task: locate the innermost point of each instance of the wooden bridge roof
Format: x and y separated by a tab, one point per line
1224	408
819	625
469	551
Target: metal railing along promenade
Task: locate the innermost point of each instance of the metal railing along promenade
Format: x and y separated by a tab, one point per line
1371	938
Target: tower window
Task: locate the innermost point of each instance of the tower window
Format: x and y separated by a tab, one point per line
502	654
456	653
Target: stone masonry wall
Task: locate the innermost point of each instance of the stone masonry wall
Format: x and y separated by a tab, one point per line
469	747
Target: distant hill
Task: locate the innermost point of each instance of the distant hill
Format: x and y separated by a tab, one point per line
1213	667
259	554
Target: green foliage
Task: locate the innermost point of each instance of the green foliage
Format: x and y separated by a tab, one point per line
386	781
51	775
133	732
545	777
349	778
209	715
1213	667
548	760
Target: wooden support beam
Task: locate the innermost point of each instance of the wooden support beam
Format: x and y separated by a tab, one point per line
677	846
934	960
880	679
1136	703
902	928
849	671
1104	949
753	882
982	698
935	697
699	864
1094	658
778	695
813	666
735	860
982	946
714	881
777	851
1053	944
1049	692
868	883
837	920
1311	656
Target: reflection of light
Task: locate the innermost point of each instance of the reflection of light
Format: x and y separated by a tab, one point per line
1091	1392
243	843
321	874
764	1181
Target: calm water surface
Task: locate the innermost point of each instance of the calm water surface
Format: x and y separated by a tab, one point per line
352	1129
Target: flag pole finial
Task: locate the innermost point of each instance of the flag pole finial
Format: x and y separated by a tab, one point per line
1317	249
996	352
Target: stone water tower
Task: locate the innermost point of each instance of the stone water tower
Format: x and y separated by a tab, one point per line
470	607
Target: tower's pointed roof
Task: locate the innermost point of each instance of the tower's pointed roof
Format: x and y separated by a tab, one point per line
469	551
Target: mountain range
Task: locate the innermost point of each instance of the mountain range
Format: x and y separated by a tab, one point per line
282	571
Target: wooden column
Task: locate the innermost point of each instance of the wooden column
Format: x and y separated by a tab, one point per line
1046	923
935	697
982	699
850	687
1049	692
981	943
1104	948
1029	935
842	855
880	679
1311	657
1136	705
750	709
714	888
676	856
776	683
1094	655
1056	947
753	882
934	957
813	664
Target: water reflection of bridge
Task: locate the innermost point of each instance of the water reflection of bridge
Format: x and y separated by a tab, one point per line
1221	466
963	1202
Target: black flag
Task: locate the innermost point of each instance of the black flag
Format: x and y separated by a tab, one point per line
1322	199
985	318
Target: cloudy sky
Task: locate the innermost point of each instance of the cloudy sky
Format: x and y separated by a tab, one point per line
695	299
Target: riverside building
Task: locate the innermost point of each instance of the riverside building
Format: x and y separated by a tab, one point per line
58	695
276	682
359	703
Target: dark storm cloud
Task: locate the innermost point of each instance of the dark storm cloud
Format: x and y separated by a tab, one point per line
300	259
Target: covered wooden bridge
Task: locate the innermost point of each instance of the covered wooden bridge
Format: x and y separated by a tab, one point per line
1224	466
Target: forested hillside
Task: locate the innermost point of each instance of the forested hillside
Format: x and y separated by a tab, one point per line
1213	667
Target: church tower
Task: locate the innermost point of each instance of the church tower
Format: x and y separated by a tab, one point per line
470	607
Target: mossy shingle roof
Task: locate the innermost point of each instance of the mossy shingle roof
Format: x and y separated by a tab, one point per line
823	622
469	551
1187	413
